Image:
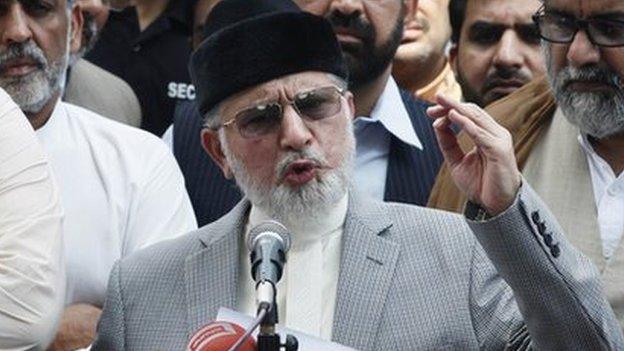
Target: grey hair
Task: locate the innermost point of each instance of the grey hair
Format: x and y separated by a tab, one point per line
211	118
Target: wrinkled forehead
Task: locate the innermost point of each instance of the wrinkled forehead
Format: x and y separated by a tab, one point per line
586	8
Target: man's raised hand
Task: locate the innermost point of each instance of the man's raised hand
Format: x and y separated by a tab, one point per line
487	174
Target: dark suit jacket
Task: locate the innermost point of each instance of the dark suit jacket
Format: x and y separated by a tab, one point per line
410	176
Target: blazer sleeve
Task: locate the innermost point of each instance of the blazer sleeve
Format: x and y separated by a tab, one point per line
530	285
111	335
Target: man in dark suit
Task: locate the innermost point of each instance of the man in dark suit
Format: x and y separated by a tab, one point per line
397	156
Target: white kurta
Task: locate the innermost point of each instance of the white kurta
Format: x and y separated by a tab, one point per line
32	281
609	195
121	188
306	294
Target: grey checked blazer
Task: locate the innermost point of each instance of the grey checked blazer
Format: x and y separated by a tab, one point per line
410	279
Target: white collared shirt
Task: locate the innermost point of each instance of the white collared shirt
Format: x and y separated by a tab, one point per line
306	294
121	188
388	118
609	197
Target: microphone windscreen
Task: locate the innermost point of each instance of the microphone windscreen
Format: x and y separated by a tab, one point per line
274	228
220	336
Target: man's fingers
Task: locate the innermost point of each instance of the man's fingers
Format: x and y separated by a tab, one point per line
438	111
479	135
472	111
447	140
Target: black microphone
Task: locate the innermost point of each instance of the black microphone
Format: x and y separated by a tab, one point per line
268	244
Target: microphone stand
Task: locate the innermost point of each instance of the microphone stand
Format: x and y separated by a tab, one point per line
268	339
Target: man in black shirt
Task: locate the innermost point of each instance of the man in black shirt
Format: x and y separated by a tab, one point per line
148	45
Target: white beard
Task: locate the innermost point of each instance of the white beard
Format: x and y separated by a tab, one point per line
598	114
308	202
33	91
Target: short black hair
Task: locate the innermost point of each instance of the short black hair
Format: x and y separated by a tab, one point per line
457	13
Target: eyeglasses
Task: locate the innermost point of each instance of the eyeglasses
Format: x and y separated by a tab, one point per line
311	105
559	28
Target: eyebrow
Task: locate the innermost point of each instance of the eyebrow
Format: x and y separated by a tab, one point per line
613	14
497	25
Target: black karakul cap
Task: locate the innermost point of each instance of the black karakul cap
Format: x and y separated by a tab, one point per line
249	42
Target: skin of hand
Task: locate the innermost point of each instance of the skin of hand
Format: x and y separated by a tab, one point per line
488	174
77	328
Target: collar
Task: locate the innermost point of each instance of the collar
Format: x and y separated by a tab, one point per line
598	161
391	113
57	114
181	11
312	230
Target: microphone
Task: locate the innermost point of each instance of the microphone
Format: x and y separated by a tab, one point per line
268	244
220	336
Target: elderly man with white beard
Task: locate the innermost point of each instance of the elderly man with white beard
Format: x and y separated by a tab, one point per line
120	187
367	274
569	132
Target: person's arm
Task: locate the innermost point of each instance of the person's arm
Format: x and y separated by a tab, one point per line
160	207
32	280
77	328
111	334
529	281
556	290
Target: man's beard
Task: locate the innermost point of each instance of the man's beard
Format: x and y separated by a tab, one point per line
366	62
599	114
33	91
469	93
295	205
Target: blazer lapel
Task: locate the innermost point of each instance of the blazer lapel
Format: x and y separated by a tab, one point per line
211	275
366	270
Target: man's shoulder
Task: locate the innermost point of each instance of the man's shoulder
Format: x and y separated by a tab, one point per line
167	258
107	131
163	256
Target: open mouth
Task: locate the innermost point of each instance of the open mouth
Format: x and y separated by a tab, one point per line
588	86
300	172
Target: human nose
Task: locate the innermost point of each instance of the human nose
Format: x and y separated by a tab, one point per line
509	51
295	134
15	24
582	51
351	8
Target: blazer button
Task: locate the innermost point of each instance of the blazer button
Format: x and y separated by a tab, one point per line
548	239
535	216
541	227
555	251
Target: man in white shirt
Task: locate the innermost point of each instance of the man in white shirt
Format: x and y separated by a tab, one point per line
32	278
121	188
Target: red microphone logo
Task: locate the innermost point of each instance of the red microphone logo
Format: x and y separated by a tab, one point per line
220	336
